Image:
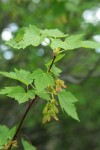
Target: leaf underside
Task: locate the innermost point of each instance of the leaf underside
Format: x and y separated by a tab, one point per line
34	36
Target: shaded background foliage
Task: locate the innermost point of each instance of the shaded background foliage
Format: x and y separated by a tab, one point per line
81	71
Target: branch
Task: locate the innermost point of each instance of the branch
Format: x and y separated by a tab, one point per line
54	57
27	110
22	120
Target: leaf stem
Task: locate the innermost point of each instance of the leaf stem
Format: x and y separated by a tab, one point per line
54	57
27	110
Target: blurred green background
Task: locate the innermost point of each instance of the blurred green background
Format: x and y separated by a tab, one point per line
81	71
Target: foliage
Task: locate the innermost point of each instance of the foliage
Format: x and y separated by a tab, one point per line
68	105
18	93
34	36
6	137
81	72
44	84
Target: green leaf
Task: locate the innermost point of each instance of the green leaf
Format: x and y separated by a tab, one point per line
53	33
70	43
9	75
90	44
43	95
74	38
24	76
33	36
27	145
18	93
25	37
56	43
20	75
5	134
56	70
59	57
67	100
42	79
20	34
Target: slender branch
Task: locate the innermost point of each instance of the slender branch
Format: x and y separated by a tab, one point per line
54	57
17	131
27	110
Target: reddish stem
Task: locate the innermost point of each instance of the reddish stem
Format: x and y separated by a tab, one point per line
30	105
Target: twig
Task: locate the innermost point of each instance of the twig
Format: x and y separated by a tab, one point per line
54	57
17	131
27	110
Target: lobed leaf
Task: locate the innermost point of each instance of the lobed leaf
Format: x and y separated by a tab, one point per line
18	93
25	37
42	79
67	100
53	33
90	44
56	70
20	75
33	36
24	76
70	43
43	95
5	134
56	43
